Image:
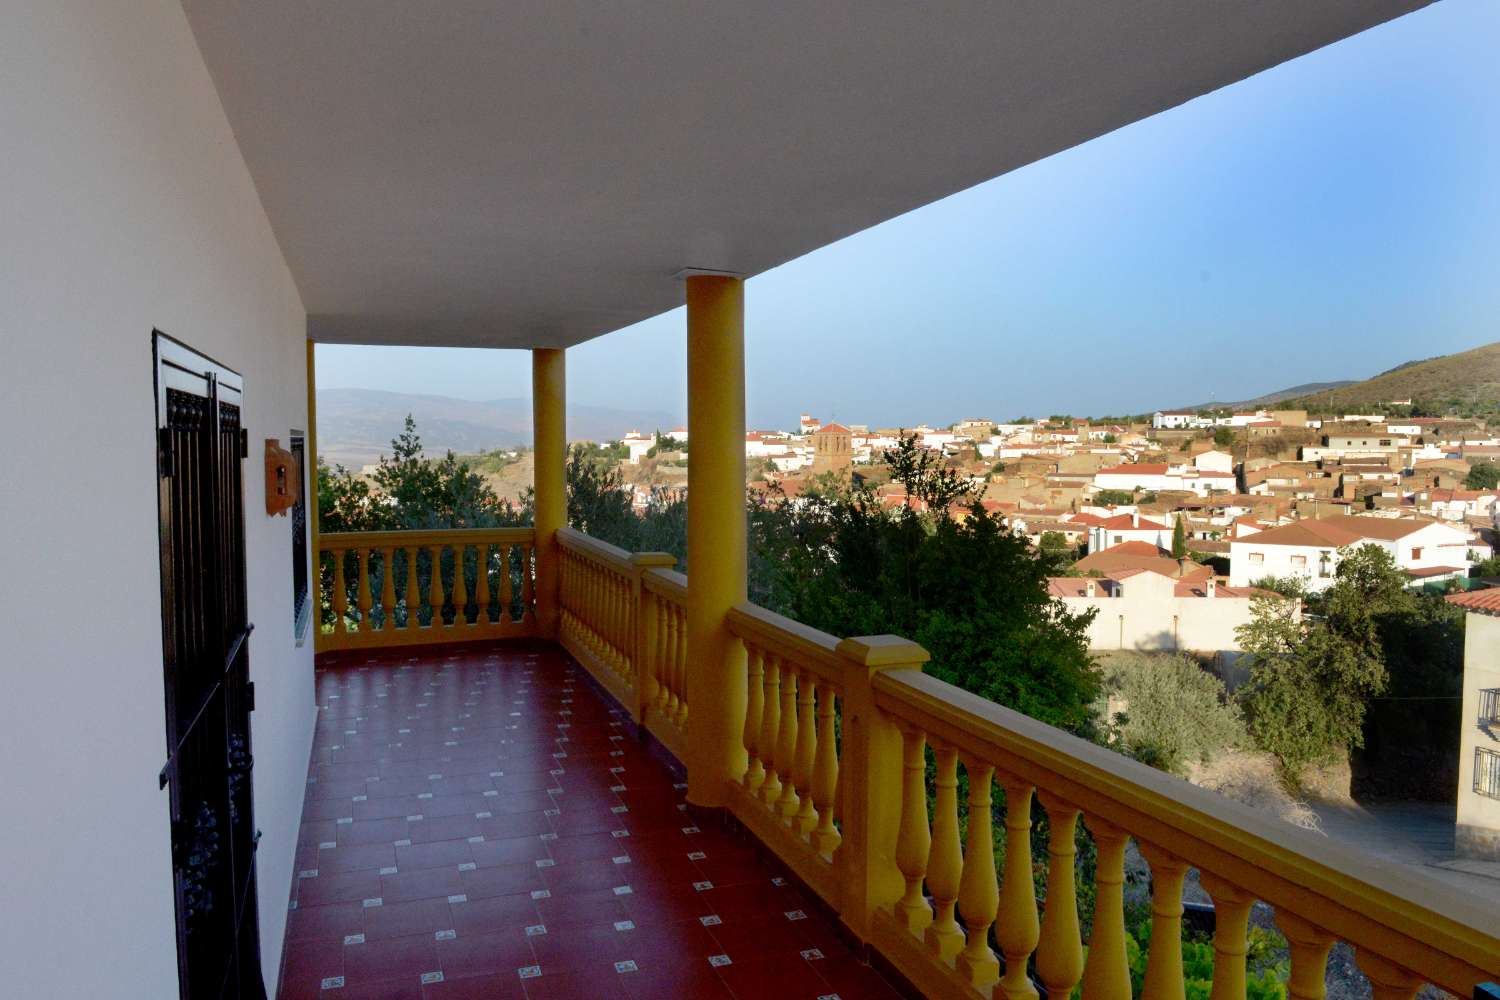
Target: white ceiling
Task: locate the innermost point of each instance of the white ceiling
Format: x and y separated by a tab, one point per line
462	172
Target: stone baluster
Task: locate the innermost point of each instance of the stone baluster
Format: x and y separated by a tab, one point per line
1059	956
945	865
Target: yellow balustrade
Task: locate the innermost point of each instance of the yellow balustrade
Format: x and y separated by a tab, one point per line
836	736
977	901
1164	961
946	866
398	564
1408	930
665	591
1059	954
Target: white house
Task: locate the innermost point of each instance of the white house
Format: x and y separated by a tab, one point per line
1425	550
1159	476
637	444
1143	610
1214	461
1107	532
766	444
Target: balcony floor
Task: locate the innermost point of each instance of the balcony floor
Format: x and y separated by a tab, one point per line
483	864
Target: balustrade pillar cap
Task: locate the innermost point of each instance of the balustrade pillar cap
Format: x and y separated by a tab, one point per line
883	651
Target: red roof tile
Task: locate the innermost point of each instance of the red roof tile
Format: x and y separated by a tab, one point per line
1485	601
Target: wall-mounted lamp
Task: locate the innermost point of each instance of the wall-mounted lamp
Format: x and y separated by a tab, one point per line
282	472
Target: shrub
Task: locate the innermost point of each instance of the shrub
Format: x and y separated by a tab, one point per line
1177	713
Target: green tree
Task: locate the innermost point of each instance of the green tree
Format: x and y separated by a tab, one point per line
973	593
1482	476
408	490
922	473
1223	436
665	442
1057	552
419	492
1113	498
1311	681
1294	587
1179	539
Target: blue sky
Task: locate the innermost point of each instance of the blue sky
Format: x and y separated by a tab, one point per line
1329	218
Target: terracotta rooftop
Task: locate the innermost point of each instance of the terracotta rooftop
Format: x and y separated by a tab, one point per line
1339	530
1485	601
1141	556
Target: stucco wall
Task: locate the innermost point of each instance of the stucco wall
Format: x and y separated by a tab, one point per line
1478	832
1149	617
126	206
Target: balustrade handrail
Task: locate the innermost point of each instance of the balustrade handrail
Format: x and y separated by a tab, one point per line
331	540
1351	895
390	614
573	540
666	583
789	639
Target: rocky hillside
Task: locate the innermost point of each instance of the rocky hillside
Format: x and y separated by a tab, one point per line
1470	378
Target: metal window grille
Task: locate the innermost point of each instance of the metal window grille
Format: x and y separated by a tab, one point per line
1489	707
1486	772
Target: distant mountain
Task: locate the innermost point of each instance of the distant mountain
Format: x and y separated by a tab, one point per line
355	426
1467	377
1271	398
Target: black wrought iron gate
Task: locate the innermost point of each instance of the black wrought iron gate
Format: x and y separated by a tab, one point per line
209	697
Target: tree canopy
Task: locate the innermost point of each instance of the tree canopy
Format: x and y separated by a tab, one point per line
1482	476
1311	679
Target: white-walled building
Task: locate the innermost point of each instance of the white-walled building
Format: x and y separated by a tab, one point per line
1214	461
1143	610
1427	550
767	444
1158	477
637	444
1107	532
1477	822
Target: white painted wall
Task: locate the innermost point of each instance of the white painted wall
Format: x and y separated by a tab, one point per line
126	205
1107	538
1280	561
1147	615
1478	830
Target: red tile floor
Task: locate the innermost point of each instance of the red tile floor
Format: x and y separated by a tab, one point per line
481	822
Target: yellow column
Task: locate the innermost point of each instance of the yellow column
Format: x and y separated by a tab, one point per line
550	449
716	673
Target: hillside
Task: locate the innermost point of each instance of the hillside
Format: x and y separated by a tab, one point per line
355	426
1270	398
1468	379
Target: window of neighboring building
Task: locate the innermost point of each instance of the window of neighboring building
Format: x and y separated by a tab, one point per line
1257	557
1299	560
1119	539
1416	551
